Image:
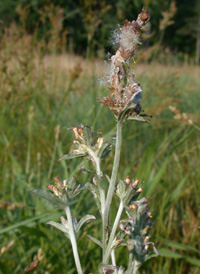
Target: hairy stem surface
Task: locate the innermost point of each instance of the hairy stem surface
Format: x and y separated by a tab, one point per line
135	267
115	169
112	235
72	236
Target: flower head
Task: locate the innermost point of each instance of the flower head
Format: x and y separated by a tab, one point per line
125	93
66	187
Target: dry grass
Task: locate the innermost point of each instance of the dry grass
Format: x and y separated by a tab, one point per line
65	63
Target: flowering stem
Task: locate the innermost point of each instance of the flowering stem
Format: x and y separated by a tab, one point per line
72	237
112	235
113	179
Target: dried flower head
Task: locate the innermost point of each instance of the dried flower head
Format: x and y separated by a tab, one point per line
127	36
125	93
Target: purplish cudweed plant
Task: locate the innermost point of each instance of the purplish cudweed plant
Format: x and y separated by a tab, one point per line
133	231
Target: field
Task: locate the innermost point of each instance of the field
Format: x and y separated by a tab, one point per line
41	98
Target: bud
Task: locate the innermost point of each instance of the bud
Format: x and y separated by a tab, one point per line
146	239
117	243
54	190
100	142
135	183
139	190
65	184
127	180
133	207
64	221
78	132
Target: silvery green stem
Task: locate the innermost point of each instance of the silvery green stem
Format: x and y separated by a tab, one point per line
72	237
130	261
113	257
102	199
135	267
113	179
113	232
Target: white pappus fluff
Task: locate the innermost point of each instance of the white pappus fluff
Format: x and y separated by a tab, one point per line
126	37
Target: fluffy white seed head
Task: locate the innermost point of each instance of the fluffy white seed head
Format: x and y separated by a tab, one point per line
126	37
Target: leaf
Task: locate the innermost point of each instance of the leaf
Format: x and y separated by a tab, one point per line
71	183
194	261
59	227
176	193
155	181
95	240
93	189
104	150
28	222
50	198
121	189
84	220
71	156
180	246
95	193
108	178
169	253
88	135
138	118
146	115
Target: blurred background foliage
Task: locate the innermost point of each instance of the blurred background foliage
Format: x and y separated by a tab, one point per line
87	24
46	88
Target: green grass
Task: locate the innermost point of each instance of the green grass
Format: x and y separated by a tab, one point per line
38	106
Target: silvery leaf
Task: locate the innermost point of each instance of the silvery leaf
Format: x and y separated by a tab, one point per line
82	221
71	156
137	118
59	227
50	198
95	240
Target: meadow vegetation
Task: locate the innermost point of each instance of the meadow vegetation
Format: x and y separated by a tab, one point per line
41	96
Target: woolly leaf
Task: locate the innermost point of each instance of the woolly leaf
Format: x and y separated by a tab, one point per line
108	178
95	193
82	221
95	240
60	227
137	118
121	189
71	156
50	198
88	135
103	149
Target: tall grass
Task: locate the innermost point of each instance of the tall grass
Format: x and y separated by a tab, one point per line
40	98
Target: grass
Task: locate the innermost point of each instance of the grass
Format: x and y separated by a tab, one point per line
40	99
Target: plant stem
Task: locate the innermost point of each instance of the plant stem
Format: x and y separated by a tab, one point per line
72	236
112	235
113	257
102	195
111	188
135	267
